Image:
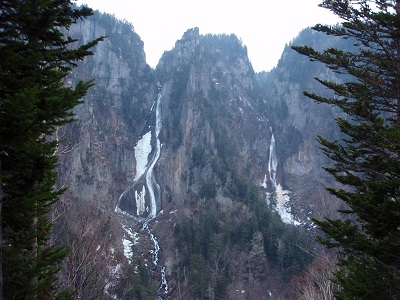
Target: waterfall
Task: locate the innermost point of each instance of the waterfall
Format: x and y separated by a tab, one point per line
145	167
150	180
272	162
154	188
154	255
282	197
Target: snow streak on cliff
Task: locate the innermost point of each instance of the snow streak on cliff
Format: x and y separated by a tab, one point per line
134	201
146	181
152	185
272	162
278	198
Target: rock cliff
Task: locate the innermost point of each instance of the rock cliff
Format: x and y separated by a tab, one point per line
214	119
299	120
97	158
202	157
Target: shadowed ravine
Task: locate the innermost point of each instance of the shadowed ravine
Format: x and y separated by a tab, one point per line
134	197
142	197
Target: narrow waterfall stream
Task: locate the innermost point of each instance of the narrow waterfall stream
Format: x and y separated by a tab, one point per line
153	186
154	255
282	197
272	162
137	191
151	183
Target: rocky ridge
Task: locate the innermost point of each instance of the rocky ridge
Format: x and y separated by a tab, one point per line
219	119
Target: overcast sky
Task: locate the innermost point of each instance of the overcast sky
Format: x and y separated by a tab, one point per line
264	26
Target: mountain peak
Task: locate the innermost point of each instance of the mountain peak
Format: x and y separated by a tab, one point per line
191	33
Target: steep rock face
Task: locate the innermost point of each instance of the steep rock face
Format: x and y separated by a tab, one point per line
219	120
216	152
96	156
214	121
299	120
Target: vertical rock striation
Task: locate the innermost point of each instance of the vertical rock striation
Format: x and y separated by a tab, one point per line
97	157
202	131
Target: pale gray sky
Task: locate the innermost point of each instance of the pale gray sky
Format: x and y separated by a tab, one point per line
264	26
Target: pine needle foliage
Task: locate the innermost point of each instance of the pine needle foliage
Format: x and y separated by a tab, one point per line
35	58
366	160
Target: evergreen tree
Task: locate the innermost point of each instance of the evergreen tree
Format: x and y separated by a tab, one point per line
35	57
366	159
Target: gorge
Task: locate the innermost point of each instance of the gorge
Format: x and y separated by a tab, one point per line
206	172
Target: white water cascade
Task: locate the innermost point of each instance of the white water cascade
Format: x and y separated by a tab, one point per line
145	167
152	185
154	255
136	191
272	162
150	180
282	198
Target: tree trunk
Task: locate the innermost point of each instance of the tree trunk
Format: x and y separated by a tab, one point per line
397	7
1	236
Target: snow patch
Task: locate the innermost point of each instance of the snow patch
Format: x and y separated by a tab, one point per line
140	201
264	183
282	205
142	150
115	272
131	240
127	249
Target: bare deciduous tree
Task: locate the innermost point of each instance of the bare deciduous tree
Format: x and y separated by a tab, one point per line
88	267
315	282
